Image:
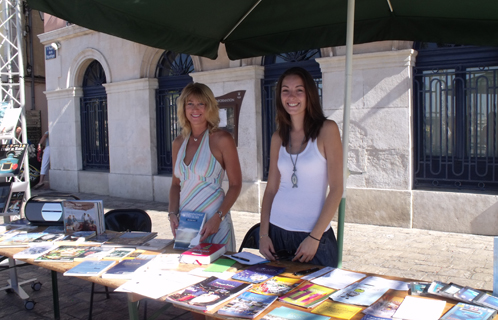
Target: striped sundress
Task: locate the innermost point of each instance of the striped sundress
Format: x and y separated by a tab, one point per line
200	185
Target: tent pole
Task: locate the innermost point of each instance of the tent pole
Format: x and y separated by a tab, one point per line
345	124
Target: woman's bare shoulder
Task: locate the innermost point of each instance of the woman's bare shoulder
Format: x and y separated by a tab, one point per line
178	141
329	126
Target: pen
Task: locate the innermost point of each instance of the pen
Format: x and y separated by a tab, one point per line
240	258
303	272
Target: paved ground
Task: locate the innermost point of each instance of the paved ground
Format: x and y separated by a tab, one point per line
419	254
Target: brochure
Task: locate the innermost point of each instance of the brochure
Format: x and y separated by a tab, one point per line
187	234
247	305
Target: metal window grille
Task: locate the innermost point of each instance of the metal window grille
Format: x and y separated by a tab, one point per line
456	138
274	67
94	124
172	72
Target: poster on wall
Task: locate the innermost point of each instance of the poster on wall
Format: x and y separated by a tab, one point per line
11	158
9	122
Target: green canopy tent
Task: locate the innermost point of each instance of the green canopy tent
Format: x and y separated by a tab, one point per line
250	28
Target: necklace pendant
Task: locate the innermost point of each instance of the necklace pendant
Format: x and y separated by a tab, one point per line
294	180
195	139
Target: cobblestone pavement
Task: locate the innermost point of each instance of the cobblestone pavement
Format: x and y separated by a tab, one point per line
412	253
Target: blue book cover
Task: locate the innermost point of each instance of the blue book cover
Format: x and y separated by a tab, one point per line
463	311
284	313
124	269
21	239
90	268
370	317
247	305
187	234
258	273
208	293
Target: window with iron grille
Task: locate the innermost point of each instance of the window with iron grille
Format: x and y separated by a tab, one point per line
94	126
173	75
455	118
275	65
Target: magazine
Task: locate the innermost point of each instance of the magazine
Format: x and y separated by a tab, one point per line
384	307
189	225
307	296
284	313
464	311
83	215
34	251
124	269
276	286
258	273
89	268
208	293
21	239
336	310
62	254
247	305
363	293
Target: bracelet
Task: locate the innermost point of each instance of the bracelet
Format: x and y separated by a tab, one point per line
169	215
313	237
261	236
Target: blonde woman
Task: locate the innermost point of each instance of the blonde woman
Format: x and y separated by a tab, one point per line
201	156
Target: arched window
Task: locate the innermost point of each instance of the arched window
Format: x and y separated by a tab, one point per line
455	117
275	65
173	75
94	126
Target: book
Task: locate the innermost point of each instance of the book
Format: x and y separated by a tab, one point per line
130	239
15	203
247	258
207	294
247	305
62	254
338	278
75	238
385	307
487	300
370	317
134	255
83	215
467	294
464	311
336	310
189	225
258	273
90	268
118	253
203	253
124	269
102	238
284	313
91	253
54	229
49	238
34	251
276	286
307	296
363	293
418	288
20	239
416	308
155	244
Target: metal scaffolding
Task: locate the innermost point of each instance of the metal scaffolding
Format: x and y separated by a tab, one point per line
12	69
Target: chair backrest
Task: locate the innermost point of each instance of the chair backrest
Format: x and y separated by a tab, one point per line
251	239
128	220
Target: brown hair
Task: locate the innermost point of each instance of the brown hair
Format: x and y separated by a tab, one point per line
313	118
204	94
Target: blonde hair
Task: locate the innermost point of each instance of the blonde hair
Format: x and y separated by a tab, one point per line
201	92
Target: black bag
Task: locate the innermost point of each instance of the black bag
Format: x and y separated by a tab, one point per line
46	209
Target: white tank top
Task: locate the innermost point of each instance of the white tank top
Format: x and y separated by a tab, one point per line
298	209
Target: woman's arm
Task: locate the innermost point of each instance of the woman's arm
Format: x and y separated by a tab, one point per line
332	150
174	191
225	149
42	140
265	243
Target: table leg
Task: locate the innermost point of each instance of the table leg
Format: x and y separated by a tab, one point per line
132	308
55	295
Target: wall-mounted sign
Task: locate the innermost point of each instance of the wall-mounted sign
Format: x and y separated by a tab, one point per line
50	52
229	105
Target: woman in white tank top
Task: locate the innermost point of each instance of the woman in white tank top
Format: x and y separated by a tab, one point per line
305	159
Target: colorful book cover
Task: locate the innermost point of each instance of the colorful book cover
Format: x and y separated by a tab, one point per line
189	225
11	159
89	268
284	313
362	293
49	237
307	296
118	253
124	269
468	294
208	293
21	239
384	307
487	300
203	253
89	252
336	310
258	273
62	254
247	305
82	215
15	202
464	311
276	286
